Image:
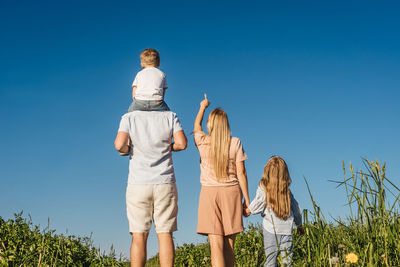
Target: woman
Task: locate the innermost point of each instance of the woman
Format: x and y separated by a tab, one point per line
224	181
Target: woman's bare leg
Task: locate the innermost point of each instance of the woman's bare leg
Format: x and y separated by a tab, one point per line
217	250
229	252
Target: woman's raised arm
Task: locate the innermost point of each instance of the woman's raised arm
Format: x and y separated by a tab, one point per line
199	118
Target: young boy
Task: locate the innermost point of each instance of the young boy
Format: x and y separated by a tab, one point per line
148	88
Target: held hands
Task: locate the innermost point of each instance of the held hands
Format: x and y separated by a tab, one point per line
246	210
204	103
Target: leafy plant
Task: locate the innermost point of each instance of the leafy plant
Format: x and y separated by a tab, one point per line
22	244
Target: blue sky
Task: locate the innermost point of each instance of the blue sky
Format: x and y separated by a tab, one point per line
315	82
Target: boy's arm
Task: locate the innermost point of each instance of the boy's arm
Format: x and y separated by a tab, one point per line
133	91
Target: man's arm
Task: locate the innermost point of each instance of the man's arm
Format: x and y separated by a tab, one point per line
121	142
180	141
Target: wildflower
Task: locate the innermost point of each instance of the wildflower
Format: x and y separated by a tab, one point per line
351	258
334	260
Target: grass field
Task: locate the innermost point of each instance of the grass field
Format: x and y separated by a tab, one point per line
369	236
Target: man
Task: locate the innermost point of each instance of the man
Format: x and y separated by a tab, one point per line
151	191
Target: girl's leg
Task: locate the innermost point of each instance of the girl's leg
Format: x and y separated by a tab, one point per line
217	247
270	248
286	249
229	254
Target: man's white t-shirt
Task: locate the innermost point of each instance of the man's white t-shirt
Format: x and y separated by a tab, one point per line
151	139
150	84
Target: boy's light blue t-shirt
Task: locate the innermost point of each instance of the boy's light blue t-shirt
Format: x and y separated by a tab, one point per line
151	139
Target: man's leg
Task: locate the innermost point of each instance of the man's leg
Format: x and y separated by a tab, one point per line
166	249
139	249
217	250
165	220
229	254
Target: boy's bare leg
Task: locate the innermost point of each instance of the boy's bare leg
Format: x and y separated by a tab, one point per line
217	247
166	249
229	254
139	249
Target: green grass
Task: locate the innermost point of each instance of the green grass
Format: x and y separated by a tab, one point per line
371	231
22	244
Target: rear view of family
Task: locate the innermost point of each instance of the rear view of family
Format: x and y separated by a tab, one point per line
149	132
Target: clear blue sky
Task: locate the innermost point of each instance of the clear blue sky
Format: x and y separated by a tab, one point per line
316	82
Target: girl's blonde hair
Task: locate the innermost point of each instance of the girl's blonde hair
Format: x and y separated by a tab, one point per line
275	182
220	141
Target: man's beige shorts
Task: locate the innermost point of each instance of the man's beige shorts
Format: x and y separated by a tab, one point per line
147	202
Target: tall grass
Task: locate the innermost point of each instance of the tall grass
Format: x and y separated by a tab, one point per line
22	244
370	232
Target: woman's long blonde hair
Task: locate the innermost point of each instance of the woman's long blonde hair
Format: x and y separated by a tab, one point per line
220	141
275	182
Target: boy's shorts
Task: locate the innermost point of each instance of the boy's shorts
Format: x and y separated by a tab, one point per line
147	202
148	105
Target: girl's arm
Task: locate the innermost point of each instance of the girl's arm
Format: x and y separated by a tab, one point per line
199	118
258	203
295	207
242	177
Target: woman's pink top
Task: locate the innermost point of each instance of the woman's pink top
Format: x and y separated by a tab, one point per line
236	154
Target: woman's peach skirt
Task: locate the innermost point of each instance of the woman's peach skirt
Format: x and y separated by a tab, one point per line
220	210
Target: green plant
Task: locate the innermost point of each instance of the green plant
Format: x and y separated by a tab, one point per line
369	236
22	244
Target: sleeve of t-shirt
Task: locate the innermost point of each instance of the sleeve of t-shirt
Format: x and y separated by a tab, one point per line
176	124
165	82
295	207
240	154
124	124
258	204
135	81
199	137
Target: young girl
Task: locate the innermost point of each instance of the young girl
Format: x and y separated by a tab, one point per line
277	205
223	182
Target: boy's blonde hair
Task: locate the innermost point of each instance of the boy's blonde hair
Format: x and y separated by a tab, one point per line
150	57
275	182
220	141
